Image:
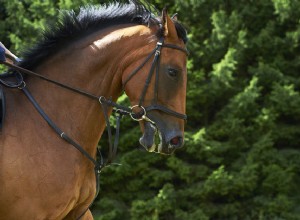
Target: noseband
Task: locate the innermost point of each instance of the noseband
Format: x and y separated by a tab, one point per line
155	66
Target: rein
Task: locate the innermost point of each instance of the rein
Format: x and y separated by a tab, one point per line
119	109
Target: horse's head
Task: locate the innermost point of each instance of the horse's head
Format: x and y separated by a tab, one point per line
156	87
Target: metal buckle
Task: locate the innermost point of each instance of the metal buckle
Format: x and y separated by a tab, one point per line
158	48
159	43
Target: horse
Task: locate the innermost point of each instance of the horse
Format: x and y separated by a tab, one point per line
69	84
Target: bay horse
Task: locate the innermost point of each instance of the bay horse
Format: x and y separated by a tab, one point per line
89	59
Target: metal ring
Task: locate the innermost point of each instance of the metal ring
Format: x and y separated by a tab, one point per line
22	85
101	97
142	117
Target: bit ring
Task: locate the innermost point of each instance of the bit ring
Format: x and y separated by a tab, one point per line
142	117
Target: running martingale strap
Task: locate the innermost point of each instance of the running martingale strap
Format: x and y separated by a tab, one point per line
2	54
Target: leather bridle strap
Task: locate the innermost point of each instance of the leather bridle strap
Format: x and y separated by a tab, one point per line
109	102
173	46
97	165
138	68
112	145
57	130
155	65
166	110
26	71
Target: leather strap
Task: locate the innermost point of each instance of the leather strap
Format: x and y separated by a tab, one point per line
138	68
97	166
26	71
173	46
155	66
166	110
57	130
2	54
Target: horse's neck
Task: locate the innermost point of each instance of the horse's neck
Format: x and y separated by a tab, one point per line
92	65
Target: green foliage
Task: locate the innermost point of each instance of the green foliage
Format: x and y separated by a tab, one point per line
241	157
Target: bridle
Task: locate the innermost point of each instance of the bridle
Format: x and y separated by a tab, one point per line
105	103
155	66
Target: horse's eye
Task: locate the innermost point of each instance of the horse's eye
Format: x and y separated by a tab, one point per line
173	72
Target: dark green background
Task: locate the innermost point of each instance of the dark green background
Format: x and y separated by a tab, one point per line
241	159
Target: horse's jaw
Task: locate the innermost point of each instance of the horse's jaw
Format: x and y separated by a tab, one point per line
153	140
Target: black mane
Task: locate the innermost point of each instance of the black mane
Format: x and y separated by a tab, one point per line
71	27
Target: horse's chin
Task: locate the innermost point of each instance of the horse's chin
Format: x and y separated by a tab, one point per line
152	140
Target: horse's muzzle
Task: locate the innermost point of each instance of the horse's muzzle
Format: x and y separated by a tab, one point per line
164	141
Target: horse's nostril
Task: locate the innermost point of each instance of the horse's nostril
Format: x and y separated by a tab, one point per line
176	141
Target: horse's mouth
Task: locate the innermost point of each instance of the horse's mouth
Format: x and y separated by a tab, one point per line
153	141
149	138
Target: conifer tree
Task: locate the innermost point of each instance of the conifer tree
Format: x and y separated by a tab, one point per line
240	159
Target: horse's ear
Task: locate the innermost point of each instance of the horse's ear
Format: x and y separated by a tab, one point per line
169	29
